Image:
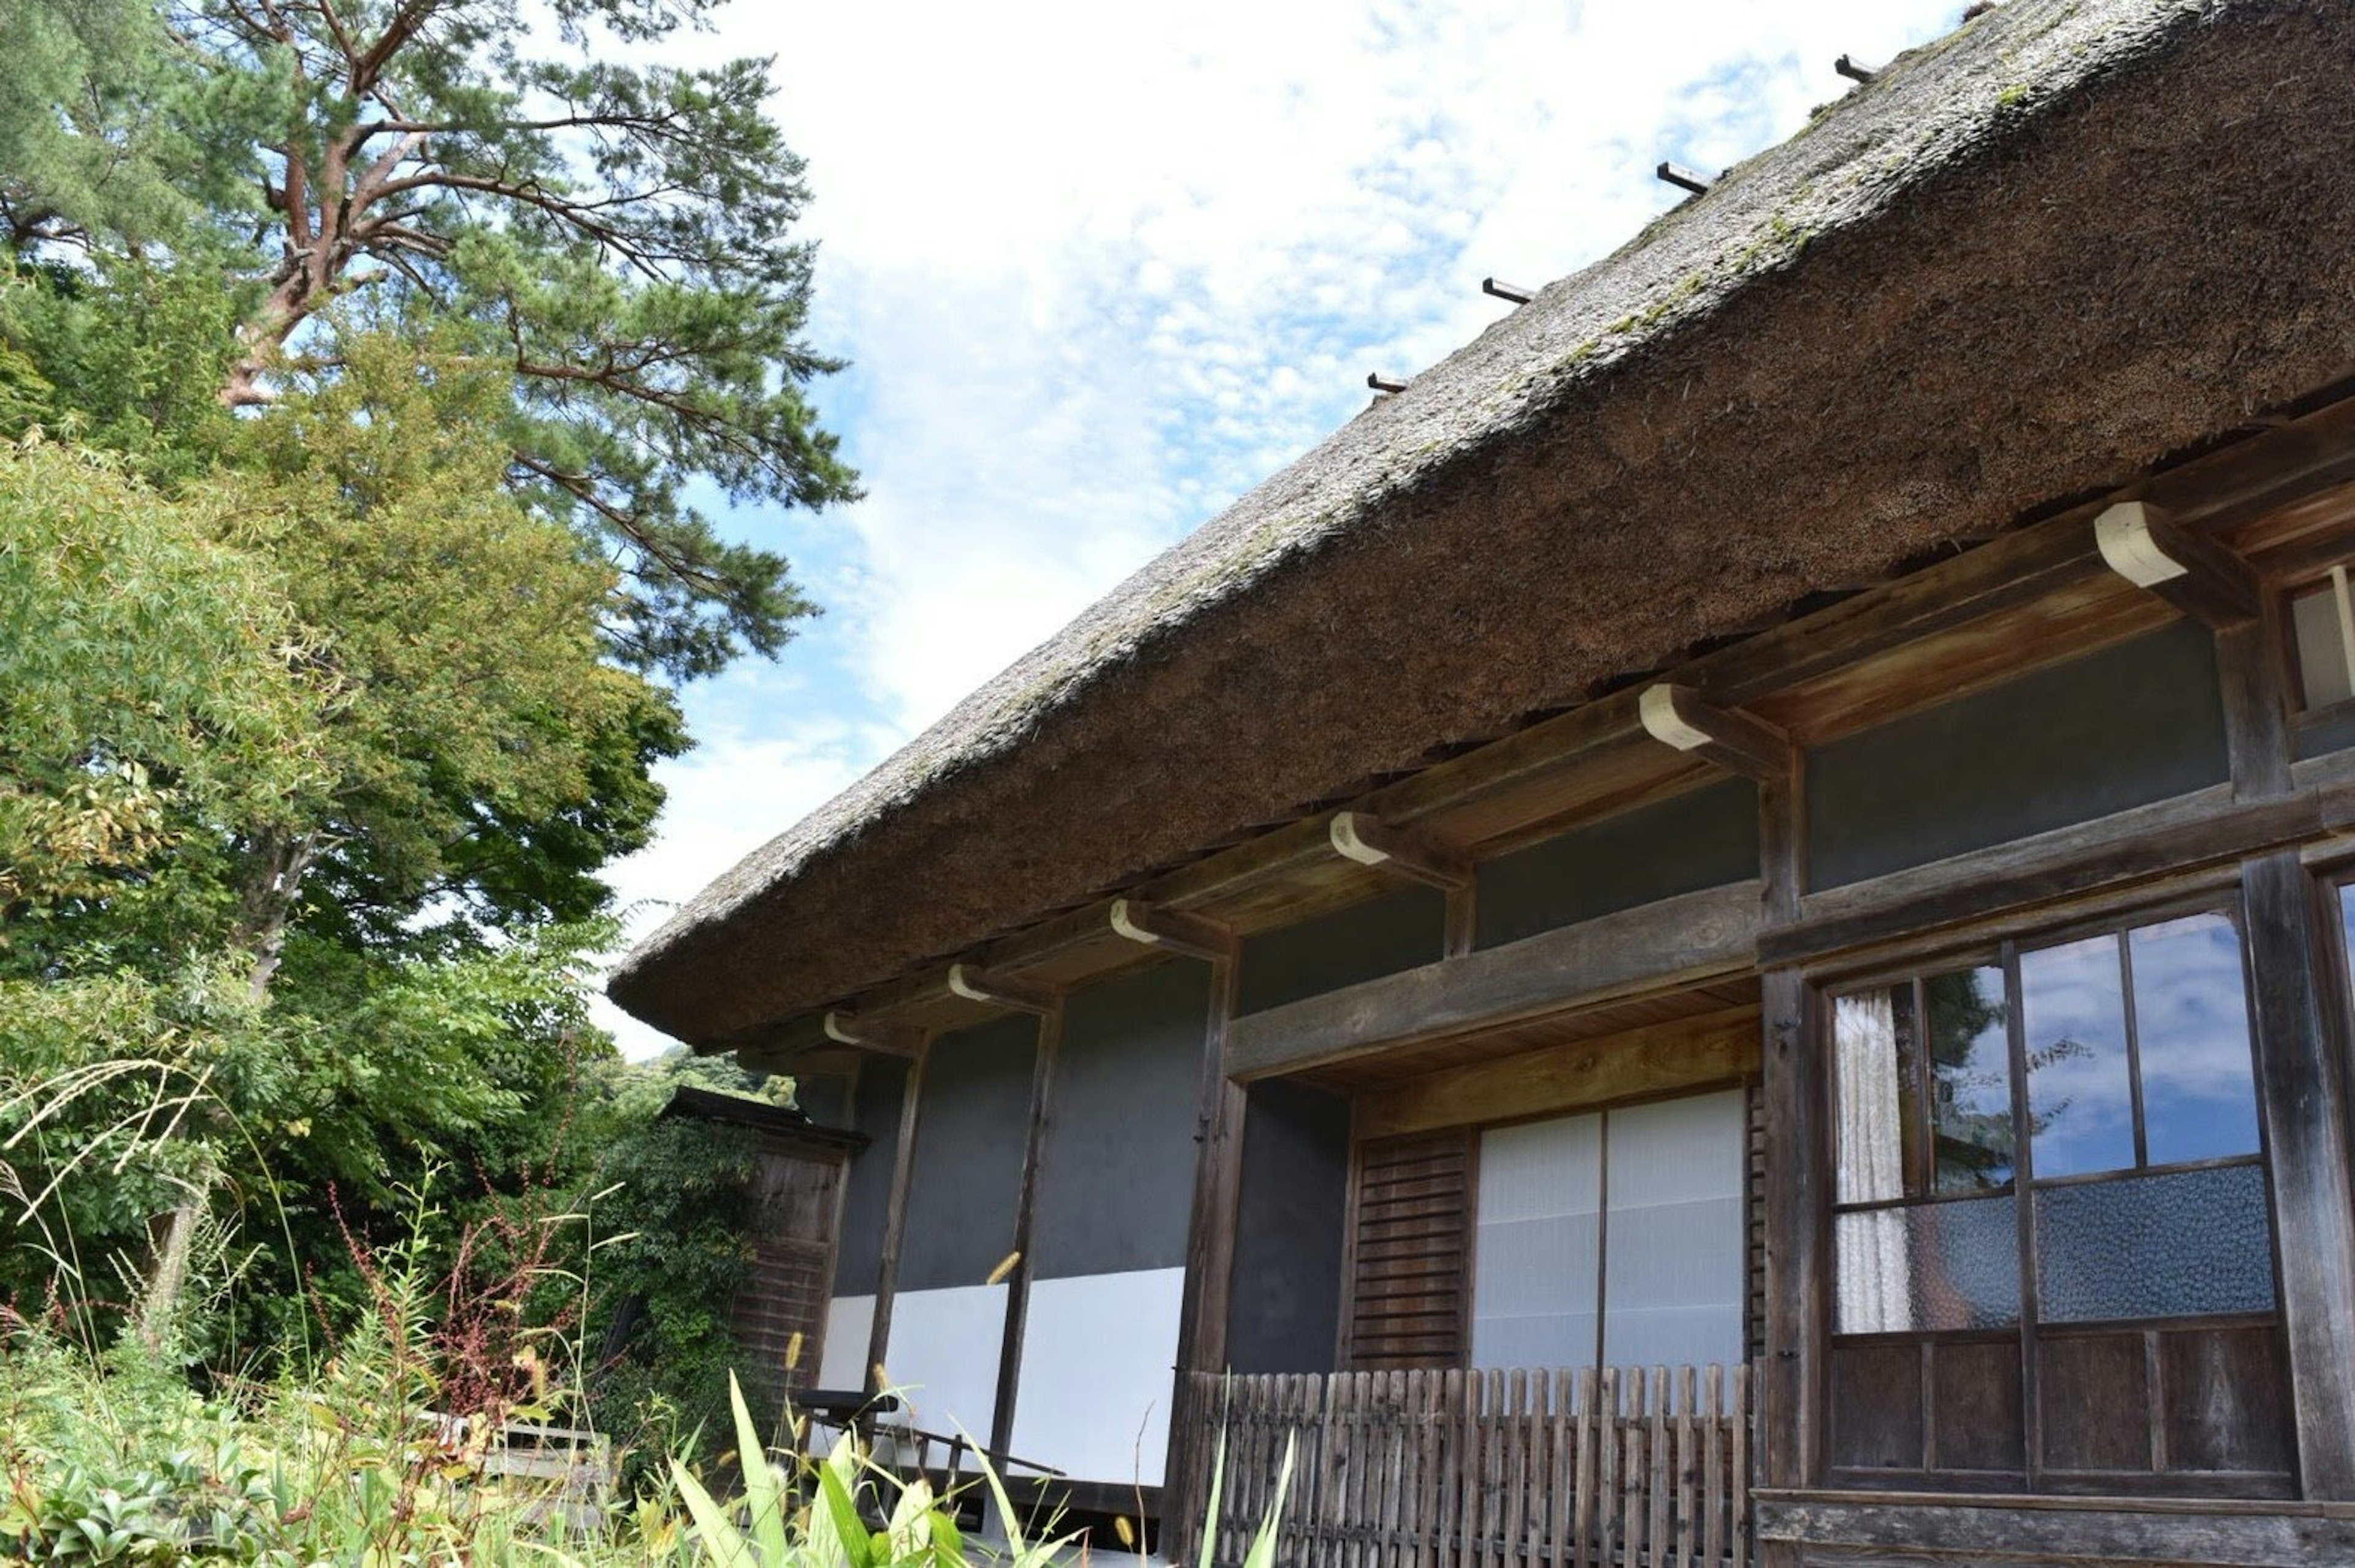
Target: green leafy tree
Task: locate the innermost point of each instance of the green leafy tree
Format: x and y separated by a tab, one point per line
152	688
618	239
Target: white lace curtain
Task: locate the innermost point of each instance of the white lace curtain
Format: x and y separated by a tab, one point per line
1875	1271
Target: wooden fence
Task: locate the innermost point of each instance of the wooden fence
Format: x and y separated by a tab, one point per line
1632	1468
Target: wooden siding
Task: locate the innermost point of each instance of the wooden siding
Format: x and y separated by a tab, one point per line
1639	1467
1410	1253
779	1313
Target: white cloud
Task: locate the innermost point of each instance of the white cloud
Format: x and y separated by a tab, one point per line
1103	267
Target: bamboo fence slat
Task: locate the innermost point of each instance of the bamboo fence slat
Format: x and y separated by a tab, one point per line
1635	1468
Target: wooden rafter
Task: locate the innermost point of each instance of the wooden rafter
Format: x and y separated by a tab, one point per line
1172	930
1678	716
872	1034
994	989
2189	569
1366	839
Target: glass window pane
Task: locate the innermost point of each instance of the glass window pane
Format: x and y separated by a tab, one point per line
1536	1255
2080	1101
1872	1046
2192	1034
1970	1079
2173	1246
1936	1266
1675	1267
2322	649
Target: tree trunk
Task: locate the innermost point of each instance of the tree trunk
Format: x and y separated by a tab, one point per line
275	865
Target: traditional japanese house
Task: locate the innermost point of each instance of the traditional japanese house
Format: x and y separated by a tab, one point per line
1716	933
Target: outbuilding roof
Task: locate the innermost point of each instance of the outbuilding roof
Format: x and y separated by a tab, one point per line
2023	262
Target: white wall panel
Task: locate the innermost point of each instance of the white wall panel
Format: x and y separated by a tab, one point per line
848	1320
1534	1256
1096	1359
1675	1269
943	1358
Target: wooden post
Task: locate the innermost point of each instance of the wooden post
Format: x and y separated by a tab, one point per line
1210	1230
2301	1077
895	1216
1018	1285
2302	1092
1797	1098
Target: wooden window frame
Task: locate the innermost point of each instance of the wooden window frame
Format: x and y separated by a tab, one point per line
1745	1085
2029	1334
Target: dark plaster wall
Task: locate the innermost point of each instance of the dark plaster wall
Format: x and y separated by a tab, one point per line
875	1111
968	1169
1283	1311
1379	936
1117	1182
2127	725
823	1100
1703	839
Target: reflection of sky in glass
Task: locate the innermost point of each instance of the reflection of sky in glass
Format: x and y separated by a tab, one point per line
2080	1104
1970	1067
2347	922
2192	1027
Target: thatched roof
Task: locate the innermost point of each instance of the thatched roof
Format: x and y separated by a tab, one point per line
2022	262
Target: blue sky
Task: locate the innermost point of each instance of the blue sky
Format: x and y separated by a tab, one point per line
1098	268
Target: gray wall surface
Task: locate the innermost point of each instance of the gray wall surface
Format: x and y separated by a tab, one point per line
968	1169
1381	935
1117	1182
875	1111
822	1100
1283	1312
2130	724
1703	839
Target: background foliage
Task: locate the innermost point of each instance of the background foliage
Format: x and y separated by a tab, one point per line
358	359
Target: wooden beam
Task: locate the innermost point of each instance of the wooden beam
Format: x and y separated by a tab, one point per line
1658	1059
2208	827
994	989
1659	946
1018	1285
2014	1532
895	1220
1532	769
2302	1089
1794	1092
1678	716
1400	851
1172	930
2189	569
872	1034
1210	1229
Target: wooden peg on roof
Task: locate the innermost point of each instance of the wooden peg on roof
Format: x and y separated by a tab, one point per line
1684	178
1009	991
1172	930
1361	837
1496	288
1387	385
1847	68
1737	741
2193	571
888	1038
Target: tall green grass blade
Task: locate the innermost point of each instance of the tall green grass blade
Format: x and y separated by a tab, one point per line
763	1493
1263	1547
723	1542
857	1546
1211	1509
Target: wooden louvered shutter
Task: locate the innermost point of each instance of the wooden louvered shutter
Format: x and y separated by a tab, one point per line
1410	1283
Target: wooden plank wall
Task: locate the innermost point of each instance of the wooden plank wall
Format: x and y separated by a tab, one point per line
1635	1468
779	1313
1410	1251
